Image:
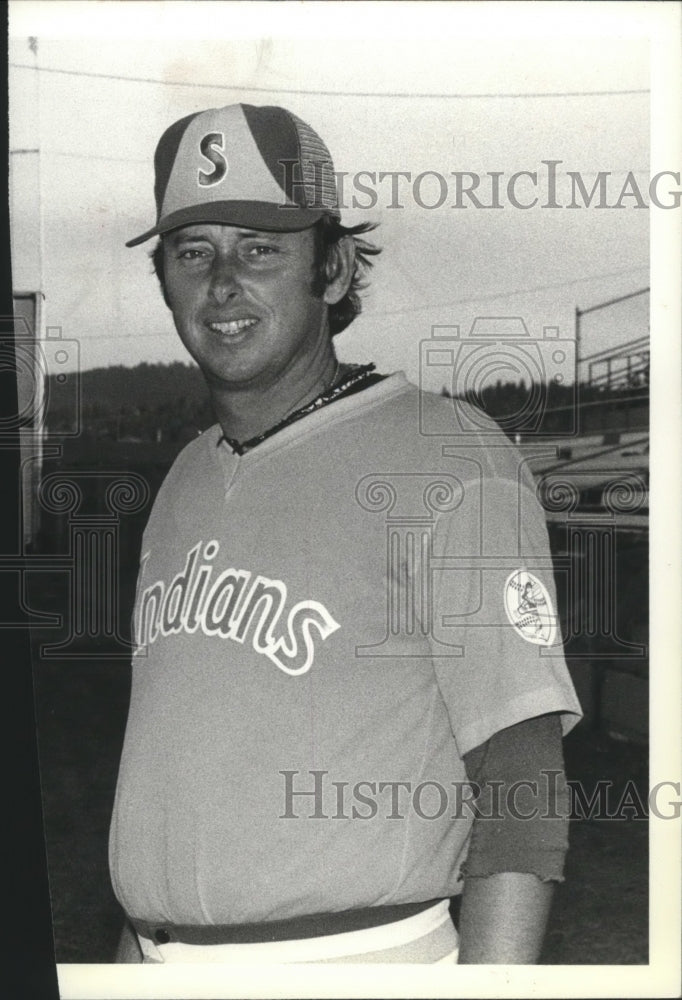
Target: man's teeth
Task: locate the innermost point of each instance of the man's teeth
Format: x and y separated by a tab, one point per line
234	326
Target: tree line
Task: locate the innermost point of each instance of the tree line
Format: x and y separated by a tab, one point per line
169	402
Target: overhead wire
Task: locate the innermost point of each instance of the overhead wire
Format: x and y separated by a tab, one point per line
330	93
437	305
592	172
506	294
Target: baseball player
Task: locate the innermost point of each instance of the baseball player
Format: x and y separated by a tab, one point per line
347	698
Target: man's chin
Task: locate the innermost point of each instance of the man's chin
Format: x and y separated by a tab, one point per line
234	376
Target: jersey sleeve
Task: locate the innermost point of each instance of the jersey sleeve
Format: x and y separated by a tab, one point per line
494	605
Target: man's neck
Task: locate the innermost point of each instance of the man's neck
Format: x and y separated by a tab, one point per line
244	412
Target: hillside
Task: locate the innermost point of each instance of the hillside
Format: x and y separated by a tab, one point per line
169	402
142	403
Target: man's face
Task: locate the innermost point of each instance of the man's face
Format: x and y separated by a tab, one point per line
242	301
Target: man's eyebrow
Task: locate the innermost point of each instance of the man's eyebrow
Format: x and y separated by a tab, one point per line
260	233
176	238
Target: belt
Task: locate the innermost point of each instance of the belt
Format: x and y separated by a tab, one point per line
295	928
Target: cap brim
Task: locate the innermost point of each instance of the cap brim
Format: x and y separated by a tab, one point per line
249	214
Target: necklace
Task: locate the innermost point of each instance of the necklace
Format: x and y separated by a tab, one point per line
353	379
298	402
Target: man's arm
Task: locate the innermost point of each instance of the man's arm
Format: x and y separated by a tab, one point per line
503	919
128	947
518	843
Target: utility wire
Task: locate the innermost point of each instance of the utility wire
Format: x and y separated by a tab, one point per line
327	93
147	160
110	159
430	305
505	295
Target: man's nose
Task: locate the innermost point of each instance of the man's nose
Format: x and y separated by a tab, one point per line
224	283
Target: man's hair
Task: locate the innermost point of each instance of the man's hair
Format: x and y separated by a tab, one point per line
327	232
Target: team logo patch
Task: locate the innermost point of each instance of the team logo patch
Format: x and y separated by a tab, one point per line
529	608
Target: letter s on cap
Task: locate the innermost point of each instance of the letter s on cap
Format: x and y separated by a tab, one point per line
212	147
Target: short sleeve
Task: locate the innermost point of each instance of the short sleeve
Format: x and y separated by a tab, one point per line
494	605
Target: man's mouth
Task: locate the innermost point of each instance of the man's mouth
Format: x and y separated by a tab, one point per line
234	326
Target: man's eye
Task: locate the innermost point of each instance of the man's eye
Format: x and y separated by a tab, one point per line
262	250
191	254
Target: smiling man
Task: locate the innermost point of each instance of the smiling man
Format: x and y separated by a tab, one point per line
244	307
316	706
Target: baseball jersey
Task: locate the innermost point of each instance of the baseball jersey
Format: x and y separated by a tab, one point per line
325	625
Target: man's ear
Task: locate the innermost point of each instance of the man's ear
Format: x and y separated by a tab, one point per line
339	269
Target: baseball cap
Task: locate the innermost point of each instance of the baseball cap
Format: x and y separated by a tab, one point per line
242	165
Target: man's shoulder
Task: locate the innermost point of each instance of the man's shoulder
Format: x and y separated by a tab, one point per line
456	429
192	463
199	444
435	414
450	416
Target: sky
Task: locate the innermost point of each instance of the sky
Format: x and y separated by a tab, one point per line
409	87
